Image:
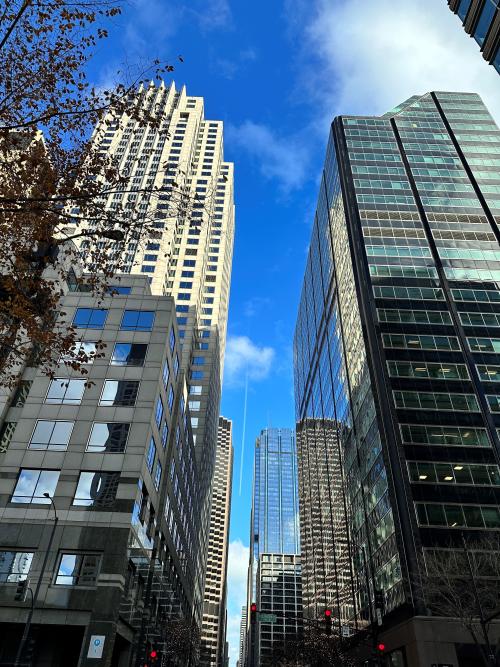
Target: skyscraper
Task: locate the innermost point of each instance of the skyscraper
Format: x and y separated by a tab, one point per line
190	258
213	637
481	20
274	532
396	344
243	637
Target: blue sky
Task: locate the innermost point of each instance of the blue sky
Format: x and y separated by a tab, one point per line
277	73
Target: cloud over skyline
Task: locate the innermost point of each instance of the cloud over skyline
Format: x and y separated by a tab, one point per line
243	356
237	590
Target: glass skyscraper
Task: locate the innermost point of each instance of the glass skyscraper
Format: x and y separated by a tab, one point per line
481	20
275	534
397	345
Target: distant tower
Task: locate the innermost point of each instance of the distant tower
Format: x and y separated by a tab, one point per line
275	542
213	638
243	637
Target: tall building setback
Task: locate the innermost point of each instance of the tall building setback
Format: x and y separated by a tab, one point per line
397	350
213	638
481	20
114	452
274	526
190	257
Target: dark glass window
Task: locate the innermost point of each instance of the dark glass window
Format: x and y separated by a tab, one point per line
108	437
32	484
119	392
6	432
138	320
78	569
90	318
484	22
96	489
172	340
118	289
157	475
463	8
129	354
21	394
159	411
170	398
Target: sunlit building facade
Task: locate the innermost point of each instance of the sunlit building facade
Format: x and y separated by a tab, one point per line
396	346
481	20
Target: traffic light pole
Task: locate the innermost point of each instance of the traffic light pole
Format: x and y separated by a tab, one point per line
34	596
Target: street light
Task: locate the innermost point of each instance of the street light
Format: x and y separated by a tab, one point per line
34	597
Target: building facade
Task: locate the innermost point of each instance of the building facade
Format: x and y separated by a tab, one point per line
184	190
279	593
396	344
243	637
213	638
323	534
481	20
275	515
114	452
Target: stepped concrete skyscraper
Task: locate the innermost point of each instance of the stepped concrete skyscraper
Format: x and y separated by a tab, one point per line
213	639
397	348
481	20
274	544
190	257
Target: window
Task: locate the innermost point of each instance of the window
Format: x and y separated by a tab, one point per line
194	406
198	361
6	432
197	375
151	456
51	435
14	566
166	373
90	318
108	437
21	394
32	484
78	569
119	392
176	365
129	354
159	411
170	398
172	340
157	475
484	22
195	389
118	289
484	344
164	435
97	489
426	400
82	351
137	320
463	8
62	390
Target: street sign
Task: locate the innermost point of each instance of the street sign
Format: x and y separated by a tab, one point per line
96	646
268	618
346	631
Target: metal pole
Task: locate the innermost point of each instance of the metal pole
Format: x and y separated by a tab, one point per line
34	599
482	621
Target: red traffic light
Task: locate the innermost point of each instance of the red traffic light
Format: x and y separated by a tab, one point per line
253	607
328	613
380	647
153	654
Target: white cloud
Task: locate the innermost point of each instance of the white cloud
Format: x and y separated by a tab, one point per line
366	57
282	158
255	305
237	592
243	356
213	14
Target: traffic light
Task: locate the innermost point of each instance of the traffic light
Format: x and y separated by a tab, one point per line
21	590
380	648
253	613
328	621
379	600
153	657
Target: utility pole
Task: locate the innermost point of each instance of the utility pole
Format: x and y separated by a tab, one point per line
34	598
